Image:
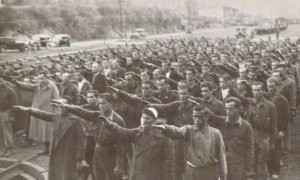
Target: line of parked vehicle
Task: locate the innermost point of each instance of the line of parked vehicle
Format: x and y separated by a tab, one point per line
37	42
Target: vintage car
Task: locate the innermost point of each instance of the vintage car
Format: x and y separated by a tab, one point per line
138	33
10	43
41	40
61	40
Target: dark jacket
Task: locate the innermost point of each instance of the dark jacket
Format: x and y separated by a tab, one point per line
136	102
99	83
103	136
153	153
283	111
69	89
68	144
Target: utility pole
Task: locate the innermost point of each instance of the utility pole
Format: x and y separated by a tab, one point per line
121	18
189	31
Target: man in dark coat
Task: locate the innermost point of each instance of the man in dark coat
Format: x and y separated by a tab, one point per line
99	82
68	144
137	101
109	151
283	113
8	98
67	88
153	153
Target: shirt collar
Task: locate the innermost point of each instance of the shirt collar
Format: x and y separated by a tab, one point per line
204	130
211	99
239	121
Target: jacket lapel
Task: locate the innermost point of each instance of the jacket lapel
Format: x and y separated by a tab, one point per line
62	128
147	141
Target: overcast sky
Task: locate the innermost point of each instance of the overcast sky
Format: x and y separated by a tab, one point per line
275	8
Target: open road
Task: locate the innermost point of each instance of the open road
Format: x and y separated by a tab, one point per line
293	32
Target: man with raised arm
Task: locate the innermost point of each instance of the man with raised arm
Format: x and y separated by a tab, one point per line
204	147
68	145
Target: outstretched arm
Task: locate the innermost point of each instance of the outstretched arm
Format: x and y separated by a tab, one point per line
173	132
47	116
122	133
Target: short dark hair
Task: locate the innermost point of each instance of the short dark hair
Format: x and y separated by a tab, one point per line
280	65
272	79
95	92
147	82
44	71
199	107
256	83
163	78
206	65
237	101
107	97
206	84
183	87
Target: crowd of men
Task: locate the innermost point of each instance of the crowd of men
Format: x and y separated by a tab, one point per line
173	109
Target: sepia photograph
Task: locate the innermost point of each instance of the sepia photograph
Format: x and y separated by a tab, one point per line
149	89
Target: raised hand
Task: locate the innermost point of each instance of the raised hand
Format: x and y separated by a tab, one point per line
58	103
159	126
146	103
22	108
110	88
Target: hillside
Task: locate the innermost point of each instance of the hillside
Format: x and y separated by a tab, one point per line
82	23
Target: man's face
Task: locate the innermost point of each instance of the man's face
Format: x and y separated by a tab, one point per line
282	70
161	86
155	74
243	73
115	64
147	121
105	64
223	58
276	75
189	75
176	66
41	78
183	95
71	68
271	87
257	91
274	64
129	80
104	106
146	90
65	77
206	93
78	77
205	70
145	76
200	119
231	110
165	66
251	75
91	99
129	61
222	83
135	55
256	58
58	75
95	67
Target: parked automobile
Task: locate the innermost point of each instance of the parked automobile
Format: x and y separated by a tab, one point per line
41	40
10	43
138	33
62	40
